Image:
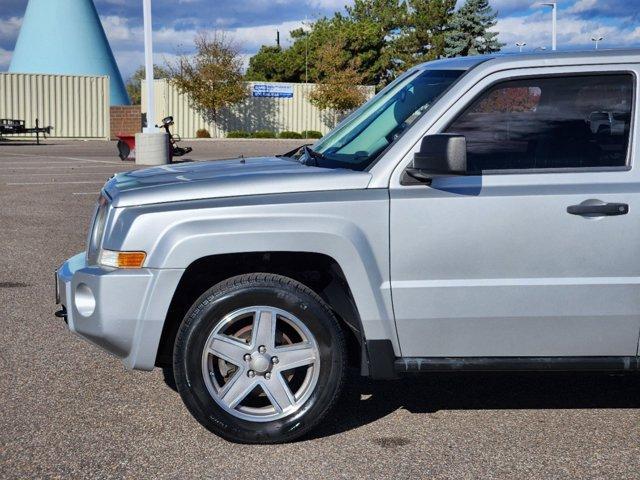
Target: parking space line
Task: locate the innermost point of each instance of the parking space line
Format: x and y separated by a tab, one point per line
85	193
16	184
50	166
53	174
63	158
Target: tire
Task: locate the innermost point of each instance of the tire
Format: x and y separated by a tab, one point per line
169	379
299	373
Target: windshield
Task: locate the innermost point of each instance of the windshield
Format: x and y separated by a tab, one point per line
359	141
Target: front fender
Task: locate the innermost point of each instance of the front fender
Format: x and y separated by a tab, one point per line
351	227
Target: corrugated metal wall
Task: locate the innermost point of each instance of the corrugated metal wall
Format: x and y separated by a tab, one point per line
256	113
76	106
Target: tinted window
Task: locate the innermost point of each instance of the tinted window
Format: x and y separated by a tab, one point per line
553	122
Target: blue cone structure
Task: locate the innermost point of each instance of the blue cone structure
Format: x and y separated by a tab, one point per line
66	37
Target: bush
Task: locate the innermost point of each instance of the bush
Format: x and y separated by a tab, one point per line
238	134
263	134
287	134
311	134
203	133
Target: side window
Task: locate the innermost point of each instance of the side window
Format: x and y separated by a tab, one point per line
550	122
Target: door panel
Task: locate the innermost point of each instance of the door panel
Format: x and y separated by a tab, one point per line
506	271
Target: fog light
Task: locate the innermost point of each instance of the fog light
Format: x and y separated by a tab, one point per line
115	259
85	301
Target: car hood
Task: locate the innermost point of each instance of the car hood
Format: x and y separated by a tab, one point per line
227	178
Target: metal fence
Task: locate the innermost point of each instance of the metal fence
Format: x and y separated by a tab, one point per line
76	106
271	106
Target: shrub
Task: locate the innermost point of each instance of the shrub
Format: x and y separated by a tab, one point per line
263	134
287	134
311	134
238	134
203	133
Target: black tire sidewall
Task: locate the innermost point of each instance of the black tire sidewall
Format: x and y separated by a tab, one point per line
208	311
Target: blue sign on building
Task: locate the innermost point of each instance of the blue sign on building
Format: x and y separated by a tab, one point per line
272	90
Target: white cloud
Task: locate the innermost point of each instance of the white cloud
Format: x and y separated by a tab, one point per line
574	32
582	6
5	59
331	5
9	28
171	40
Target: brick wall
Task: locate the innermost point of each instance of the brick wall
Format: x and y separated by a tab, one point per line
126	120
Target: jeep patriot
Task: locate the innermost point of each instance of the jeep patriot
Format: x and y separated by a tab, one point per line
479	213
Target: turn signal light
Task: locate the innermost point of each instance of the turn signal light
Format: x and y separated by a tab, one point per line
122	259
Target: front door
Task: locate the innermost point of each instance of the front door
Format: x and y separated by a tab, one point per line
536	253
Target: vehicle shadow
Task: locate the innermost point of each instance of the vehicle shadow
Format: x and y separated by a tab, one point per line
365	401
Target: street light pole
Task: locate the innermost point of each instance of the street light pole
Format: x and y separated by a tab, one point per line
520	45
148	62
554	19
597	40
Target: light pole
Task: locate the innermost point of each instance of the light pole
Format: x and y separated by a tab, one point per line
597	40
306	50
520	45
554	7
148	62
152	145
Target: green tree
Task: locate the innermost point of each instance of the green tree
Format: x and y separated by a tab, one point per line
374	27
213	77
424	31
469	33
133	85
268	65
365	30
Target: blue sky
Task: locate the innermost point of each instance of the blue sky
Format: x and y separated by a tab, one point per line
251	23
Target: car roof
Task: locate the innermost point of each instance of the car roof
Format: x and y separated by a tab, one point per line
543	58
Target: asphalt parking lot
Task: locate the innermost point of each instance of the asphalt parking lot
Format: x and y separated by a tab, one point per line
69	410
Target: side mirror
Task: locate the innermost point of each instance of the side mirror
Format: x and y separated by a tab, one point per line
440	155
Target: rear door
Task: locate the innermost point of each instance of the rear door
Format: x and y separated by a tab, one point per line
536	253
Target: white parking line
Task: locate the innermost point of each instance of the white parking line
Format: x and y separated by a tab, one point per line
49	166
16	184
85	193
63	158
53	174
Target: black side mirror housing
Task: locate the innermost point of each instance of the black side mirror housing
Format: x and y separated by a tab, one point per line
440	155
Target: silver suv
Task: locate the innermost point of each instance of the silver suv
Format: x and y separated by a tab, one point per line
471	216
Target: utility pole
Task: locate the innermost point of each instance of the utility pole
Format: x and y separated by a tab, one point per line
554	20
597	39
148	62
521	45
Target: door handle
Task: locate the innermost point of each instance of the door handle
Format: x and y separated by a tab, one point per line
599	210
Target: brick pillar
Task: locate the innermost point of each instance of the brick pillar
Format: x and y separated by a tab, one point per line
125	120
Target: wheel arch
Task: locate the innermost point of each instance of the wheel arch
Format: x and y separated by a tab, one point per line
319	272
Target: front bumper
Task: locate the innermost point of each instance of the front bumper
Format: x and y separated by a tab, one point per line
121	311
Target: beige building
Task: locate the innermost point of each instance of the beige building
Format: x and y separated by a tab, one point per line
271	106
76	106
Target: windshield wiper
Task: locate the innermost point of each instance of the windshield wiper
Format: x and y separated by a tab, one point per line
312	155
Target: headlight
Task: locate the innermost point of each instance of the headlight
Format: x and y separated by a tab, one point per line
97	230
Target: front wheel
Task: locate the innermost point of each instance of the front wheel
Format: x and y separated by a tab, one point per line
259	358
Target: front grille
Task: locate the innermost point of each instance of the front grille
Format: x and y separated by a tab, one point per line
97	230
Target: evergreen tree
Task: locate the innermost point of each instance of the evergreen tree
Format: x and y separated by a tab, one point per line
424	30
469	33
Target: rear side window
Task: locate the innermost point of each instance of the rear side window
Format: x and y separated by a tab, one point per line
549	122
